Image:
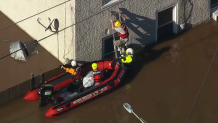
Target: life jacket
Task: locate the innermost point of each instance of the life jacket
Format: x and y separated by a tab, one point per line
70	70
77	73
78	76
97	75
123	36
128	59
73	72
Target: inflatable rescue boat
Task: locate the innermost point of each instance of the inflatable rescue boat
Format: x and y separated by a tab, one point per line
64	92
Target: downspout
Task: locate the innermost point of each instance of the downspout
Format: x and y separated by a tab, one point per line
182	26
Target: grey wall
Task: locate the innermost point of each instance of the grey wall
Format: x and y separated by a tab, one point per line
196	11
92	21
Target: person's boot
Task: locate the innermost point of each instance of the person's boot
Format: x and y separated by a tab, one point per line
118	49
123	54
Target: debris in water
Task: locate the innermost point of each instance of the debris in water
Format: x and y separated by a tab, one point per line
174	53
35	52
4	40
128	86
146	54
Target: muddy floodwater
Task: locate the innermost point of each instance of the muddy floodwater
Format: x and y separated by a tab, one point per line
161	89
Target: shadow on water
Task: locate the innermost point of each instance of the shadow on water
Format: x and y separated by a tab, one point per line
143	57
151	45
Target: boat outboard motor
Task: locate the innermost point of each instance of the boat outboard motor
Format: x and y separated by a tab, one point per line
45	93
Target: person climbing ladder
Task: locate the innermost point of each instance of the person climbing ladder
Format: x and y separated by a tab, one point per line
122	30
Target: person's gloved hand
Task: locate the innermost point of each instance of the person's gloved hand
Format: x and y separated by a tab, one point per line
111	20
124	58
106	70
62	66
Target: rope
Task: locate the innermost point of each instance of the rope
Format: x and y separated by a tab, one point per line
32	16
65	34
72	15
184	12
58	53
201	86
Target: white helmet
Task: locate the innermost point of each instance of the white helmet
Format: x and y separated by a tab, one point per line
73	63
129	51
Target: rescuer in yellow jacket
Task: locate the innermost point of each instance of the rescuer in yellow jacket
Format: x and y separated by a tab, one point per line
127	60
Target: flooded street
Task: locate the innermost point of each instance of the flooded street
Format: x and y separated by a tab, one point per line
162	88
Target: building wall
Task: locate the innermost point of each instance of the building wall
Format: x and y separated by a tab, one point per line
60	46
196	11
84	40
141	21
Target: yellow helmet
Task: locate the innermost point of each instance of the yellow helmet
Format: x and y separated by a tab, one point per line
94	66
118	24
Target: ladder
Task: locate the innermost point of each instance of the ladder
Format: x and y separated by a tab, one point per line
115	49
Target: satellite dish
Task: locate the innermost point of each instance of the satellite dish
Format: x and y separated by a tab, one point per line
56	24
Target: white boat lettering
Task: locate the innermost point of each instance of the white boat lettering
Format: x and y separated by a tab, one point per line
60	109
95	93
87	97
78	100
103	89
84	98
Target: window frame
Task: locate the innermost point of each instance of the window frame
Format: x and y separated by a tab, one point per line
212	9
103	44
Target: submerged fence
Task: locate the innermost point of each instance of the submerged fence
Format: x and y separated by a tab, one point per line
22	88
